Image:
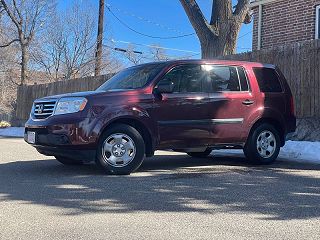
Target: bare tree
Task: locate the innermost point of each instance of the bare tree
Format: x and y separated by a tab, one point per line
27	16
98	56
132	55
219	37
158	53
67	49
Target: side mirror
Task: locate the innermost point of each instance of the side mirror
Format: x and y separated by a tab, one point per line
165	87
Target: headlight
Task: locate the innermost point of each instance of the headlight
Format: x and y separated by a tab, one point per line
70	105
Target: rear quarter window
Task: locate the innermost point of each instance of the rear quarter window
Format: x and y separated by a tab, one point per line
243	79
268	79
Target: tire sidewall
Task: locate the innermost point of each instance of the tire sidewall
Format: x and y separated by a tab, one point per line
251	151
139	155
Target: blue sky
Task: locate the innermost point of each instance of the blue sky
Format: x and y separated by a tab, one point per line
168	13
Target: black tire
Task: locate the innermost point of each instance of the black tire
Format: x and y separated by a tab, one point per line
204	154
138	143
68	161
251	149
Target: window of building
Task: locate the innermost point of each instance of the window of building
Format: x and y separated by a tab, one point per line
318	22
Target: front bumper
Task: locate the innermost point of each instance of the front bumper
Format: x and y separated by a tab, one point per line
85	156
68	132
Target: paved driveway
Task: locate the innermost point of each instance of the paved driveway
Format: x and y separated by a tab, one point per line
172	196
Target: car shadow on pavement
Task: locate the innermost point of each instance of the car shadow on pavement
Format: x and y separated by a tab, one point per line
169	183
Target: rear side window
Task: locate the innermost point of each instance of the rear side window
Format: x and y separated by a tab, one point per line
268	79
243	79
223	78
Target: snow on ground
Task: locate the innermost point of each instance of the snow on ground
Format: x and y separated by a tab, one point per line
301	151
12	132
298	151
292	151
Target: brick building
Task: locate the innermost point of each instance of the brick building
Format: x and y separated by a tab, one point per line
279	22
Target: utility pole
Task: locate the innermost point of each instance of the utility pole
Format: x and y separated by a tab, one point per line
98	55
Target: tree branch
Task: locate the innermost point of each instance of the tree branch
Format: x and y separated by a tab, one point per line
242	10
196	17
11	15
9	43
221	11
17	11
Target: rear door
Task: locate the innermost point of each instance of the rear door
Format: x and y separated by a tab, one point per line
231	102
182	115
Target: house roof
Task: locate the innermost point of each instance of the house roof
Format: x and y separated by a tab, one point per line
255	3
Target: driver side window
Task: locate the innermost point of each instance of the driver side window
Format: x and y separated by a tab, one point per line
173	76
186	79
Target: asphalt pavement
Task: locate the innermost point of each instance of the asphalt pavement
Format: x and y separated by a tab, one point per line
172	196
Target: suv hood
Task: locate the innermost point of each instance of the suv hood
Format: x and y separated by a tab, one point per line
84	94
76	94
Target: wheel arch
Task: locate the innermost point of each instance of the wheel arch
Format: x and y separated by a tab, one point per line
139	126
275	123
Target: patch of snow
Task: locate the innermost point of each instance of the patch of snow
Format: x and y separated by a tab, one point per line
12	132
301	151
298	151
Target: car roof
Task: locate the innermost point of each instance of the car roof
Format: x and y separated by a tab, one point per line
214	61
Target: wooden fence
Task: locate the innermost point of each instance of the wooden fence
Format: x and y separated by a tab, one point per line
300	63
27	94
5	117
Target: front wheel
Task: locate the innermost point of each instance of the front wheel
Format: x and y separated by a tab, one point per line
121	150
263	145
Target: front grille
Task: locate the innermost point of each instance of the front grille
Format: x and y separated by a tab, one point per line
43	109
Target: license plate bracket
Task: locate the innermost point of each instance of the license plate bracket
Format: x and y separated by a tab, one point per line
31	137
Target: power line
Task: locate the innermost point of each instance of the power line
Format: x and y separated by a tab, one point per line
155	46
245	34
148	21
143	34
145	57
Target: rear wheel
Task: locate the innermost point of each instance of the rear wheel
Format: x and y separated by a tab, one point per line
68	161
263	145
121	150
204	154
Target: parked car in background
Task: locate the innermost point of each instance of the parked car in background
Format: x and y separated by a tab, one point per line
192	106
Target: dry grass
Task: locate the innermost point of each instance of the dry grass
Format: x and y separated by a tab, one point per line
4	124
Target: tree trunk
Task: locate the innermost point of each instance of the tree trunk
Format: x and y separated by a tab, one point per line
98	57
224	44
219	37
24	63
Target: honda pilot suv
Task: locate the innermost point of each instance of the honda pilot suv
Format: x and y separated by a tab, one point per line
191	106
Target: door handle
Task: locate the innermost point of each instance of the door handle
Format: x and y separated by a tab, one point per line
247	102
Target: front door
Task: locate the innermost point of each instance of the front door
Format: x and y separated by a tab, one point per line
182	115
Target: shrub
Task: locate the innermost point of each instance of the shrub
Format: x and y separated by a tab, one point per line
4	124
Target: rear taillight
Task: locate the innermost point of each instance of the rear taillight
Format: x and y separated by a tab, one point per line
292	106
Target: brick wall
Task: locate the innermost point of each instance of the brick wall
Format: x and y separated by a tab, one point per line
285	22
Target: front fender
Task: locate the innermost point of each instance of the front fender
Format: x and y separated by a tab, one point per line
130	114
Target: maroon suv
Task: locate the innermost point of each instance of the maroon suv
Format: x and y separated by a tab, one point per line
192	106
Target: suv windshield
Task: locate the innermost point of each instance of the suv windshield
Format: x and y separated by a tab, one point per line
132	78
